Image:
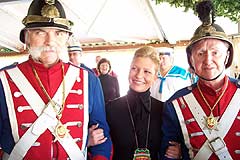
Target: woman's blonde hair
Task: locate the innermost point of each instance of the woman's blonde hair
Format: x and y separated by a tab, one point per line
148	52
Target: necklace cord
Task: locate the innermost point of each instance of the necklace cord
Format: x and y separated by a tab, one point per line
134	128
205	100
58	112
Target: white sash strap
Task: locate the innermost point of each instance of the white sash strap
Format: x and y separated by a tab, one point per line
215	137
86	110
5	156
45	120
37	104
206	151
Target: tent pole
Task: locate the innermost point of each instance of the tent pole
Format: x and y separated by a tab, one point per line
159	26
96	17
238	27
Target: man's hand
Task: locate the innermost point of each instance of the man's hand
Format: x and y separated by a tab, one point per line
174	150
96	136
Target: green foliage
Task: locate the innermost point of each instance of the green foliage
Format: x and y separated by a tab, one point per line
225	8
5	50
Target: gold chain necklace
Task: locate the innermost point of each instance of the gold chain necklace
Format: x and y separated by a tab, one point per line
211	121
60	129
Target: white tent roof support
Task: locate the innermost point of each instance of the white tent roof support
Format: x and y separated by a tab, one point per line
238	27
96	17
112	21
156	23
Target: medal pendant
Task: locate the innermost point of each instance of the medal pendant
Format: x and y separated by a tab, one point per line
142	154
61	130
211	122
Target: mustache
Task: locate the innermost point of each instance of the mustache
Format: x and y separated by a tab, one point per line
44	48
35	52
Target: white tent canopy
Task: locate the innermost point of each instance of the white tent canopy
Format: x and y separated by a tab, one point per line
111	21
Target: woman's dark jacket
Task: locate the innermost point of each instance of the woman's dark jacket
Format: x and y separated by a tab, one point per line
110	87
121	128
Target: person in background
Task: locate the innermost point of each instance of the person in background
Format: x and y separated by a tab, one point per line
109	83
75	53
46	105
193	76
170	78
96	71
236	72
112	73
204	118
135	119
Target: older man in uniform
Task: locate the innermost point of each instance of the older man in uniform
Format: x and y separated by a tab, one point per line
205	118
47	105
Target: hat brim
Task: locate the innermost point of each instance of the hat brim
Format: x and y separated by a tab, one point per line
43	25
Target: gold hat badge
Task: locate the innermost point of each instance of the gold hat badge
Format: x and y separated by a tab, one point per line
49	10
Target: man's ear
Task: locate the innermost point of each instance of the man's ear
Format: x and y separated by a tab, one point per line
26	34
227	57
191	61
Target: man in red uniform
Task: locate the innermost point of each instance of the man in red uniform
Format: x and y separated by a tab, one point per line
205	118
46	105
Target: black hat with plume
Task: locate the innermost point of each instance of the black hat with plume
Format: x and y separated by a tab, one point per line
208	29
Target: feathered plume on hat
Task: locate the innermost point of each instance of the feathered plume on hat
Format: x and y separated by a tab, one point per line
206	12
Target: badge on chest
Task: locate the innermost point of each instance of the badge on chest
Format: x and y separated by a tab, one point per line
142	154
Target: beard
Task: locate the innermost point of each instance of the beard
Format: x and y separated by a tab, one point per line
35	52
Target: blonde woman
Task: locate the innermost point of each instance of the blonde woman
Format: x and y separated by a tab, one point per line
135	119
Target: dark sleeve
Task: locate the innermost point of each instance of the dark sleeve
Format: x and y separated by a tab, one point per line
98	115
117	88
9	67
6	138
171	131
